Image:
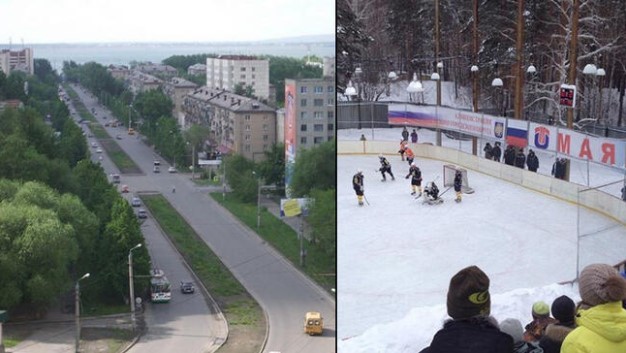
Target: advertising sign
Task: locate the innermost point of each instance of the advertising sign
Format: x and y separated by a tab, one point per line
290	133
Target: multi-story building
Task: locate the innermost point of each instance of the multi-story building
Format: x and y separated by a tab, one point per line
226	71
238	124
17	60
177	88
119	72
309	111
197	69
141	82
164	72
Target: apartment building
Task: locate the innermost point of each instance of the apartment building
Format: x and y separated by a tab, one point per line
177	88
309	112
119	72
238	124
164	72
17	60
141	82
197	69
329	69
226	71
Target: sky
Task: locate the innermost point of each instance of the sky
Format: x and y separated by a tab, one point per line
396	255
98	21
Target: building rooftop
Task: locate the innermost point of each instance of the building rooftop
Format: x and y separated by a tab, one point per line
180	82
238	57
229	100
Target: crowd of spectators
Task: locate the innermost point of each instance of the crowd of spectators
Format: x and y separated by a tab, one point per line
597	324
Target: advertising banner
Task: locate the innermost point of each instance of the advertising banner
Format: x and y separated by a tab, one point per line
290	133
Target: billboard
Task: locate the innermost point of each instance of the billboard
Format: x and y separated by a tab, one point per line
290	133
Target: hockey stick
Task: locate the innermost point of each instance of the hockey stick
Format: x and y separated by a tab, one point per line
445	191
365	198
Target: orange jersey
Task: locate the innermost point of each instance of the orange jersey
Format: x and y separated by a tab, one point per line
409	153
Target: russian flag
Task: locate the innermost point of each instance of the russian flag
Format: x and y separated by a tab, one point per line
517	133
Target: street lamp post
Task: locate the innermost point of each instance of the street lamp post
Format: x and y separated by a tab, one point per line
435	77
350	92
77	310
131	285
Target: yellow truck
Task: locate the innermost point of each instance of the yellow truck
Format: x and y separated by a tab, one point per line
313	323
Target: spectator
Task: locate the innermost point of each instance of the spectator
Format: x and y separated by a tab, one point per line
564	311
496	152
405	134
532	161
601	319
513	328
624	193
471	329
509	155
363	137
541	318
414	136
488	151
558	168
520	158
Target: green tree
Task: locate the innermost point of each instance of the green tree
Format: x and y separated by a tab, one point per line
323	220
240	177
314	169
272	169
151	106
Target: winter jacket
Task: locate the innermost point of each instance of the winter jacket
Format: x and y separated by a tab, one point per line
553	337
458	182
520	159
536	328
405	135
601	329
414	137
532	162
527	347
509	156
475	335
496	152
488	151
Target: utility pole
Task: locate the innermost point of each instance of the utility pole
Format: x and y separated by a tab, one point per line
436	68
475	92
573	57
519	72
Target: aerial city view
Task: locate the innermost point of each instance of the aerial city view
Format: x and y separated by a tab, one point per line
481	176
155	176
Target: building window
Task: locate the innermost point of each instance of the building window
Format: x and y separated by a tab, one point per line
243	77
266	137
318	127
331	101
318	115
318	89
247	137
264	127
247	148
302	115
243	69
303	102
318	140
331	114
318	102
303	89
265	147
247	117
303	140
247	127
330	89
303	127
253	76
331	127
253	69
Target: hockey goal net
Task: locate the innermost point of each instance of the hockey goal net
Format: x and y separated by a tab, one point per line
449	171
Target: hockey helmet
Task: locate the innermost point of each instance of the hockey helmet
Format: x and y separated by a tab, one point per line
412	164
359	171
381	156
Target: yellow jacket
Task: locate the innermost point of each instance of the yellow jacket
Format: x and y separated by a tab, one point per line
601	329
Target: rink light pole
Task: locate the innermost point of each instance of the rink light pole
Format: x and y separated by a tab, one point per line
131	284
77	310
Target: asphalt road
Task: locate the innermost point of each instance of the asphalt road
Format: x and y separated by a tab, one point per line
189	322
282	291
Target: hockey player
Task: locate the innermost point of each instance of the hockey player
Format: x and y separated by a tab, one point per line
357	185
416	179
432	191
410	156
458	184
385	167
403	146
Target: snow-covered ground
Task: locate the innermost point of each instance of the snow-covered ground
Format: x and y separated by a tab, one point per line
396	255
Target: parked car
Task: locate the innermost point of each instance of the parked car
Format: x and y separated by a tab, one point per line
157	162
313	323
156	169
94	145
141	213
99	150
119	137
186	287
115	178
135	202
171	170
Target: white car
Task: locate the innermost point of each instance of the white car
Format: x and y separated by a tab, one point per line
99	150
171	170
94	145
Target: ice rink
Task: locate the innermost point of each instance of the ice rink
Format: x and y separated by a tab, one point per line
397	254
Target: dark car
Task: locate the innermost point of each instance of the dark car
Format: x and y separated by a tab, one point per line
142	213
186	287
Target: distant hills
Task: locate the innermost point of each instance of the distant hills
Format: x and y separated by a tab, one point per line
318	38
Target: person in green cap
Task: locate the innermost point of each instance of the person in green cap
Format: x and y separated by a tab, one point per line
541	318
